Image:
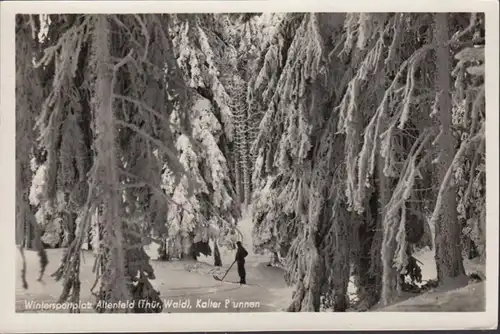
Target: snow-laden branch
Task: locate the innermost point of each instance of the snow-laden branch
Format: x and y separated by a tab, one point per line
478	152
170	200
159	144
448	176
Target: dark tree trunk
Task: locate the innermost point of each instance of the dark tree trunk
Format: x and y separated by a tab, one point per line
89	239
69	227
28	236
100	235
163	251
472	251
341	272
275	259
369	268
217	259
448	232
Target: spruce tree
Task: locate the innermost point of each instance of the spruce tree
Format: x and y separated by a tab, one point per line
112	163
28	99
210	212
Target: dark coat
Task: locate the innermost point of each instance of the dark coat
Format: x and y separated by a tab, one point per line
241	254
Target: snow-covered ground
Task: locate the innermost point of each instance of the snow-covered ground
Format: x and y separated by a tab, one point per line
245	226
267	291
176	281
457	296
470	298
428	265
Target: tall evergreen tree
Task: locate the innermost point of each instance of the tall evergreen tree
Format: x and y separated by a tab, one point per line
28	98
200	48
111	60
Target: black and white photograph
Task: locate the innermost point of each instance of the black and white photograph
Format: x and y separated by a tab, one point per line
256	161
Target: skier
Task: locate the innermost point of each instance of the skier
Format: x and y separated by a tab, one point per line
241	253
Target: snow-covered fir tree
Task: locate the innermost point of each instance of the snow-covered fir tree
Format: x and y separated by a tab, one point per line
110	99
207	53
29	96
365	159
200	214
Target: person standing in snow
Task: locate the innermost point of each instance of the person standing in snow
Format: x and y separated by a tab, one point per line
241	253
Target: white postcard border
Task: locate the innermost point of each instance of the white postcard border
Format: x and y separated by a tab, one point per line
12	322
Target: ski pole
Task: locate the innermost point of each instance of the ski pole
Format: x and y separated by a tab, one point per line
228	270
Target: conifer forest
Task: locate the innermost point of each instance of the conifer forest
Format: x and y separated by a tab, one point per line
345	151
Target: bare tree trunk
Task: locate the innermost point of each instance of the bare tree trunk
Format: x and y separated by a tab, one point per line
217	258
163	251
69	227
28	238
447	239
114	287
90	247
185	243
369	268
342	270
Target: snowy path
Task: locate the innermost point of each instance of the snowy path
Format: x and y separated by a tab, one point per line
176	281
200	287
